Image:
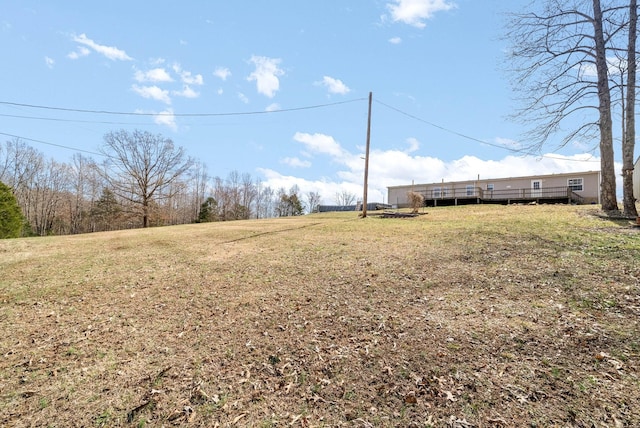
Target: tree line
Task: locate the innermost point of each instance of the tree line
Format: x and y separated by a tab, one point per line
142	180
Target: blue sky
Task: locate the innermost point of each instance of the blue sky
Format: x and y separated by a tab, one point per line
299	72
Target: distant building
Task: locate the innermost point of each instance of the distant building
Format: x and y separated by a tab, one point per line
575	188
371	206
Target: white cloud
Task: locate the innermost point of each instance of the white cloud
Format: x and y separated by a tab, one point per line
186	76
79	53
152	92
589	71
414	145
273	107
335	86
320	143
166	118
326	189
296	162
242	97
395	40
222	73
110	52
186	92
266	75
220	91
154	75
414	12
190	79
400	167
50	62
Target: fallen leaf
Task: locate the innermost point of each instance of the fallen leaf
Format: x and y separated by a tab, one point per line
450	396
410	398
237	418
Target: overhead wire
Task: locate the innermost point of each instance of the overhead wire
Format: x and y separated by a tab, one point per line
55	119
51	144
459	134
121	113
409	115
316	106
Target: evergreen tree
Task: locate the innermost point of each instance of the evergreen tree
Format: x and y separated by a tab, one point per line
208	211
296	205
106	211
11	219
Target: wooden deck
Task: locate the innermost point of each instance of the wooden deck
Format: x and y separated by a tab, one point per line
551	195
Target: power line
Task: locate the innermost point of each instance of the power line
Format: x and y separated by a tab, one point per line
248	113
53	119
411	116
499	146
445	129
136	114
51	144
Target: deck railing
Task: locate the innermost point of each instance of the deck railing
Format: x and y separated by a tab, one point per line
524	194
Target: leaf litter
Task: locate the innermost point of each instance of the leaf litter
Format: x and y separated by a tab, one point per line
469	317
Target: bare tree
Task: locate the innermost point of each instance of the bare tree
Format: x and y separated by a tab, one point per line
259	200
629	136
81	192
143	168
345	198
49	186
221	195
232	183
313	201
19	165
199	183
559	58
265	202
248	194
607	169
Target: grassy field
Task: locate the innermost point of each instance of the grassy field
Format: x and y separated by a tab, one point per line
478	316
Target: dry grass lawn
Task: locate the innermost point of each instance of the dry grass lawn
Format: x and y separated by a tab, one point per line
478	316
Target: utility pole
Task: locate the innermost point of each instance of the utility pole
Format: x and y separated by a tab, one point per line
366	161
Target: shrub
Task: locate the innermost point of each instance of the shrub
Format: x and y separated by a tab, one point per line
416	201
11	219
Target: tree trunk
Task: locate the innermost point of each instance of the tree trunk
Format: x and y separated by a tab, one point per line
607	167
628	142
145	213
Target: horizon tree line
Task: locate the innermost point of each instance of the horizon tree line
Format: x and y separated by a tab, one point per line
144	180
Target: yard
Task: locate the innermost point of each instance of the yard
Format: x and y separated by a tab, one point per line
474	316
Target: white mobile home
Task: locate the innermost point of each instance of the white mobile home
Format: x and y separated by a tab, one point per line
577	188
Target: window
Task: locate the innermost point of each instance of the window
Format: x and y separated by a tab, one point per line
470	190
440	192
575	184
490	187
